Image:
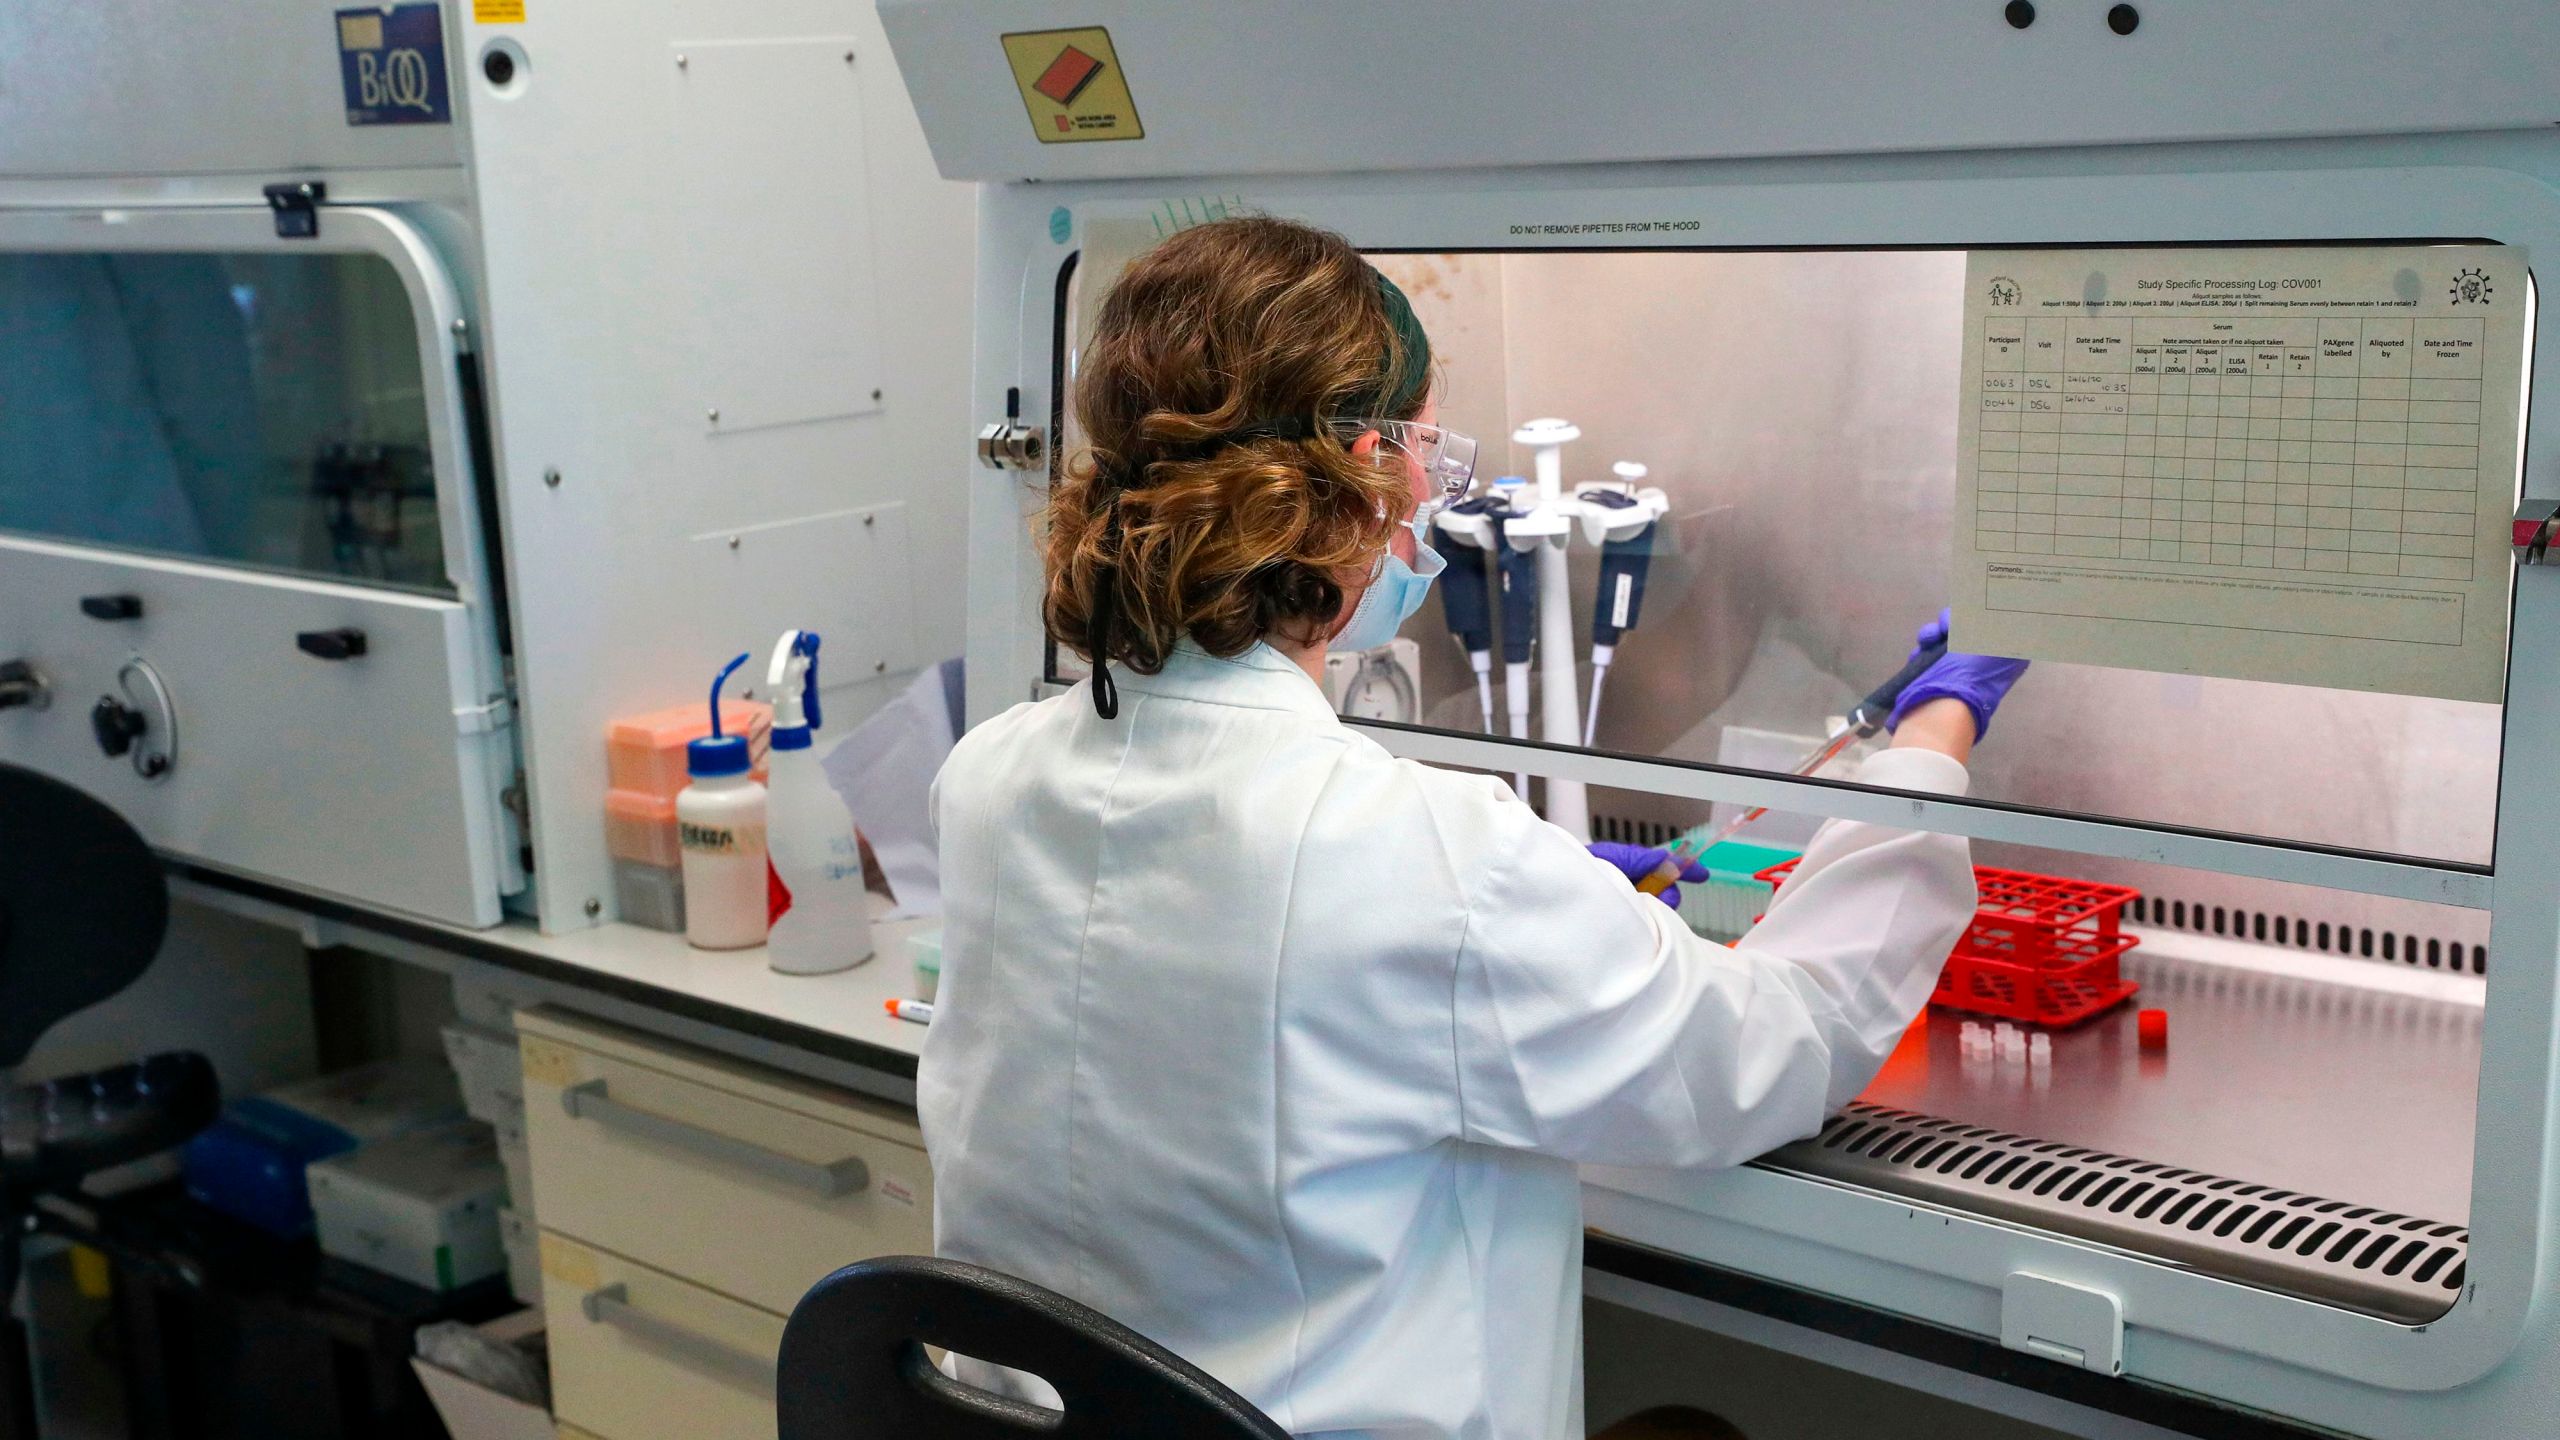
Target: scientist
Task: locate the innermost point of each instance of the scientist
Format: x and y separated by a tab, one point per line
1281	1049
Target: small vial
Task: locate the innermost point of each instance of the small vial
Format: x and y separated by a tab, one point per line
2152	1028
2040	1049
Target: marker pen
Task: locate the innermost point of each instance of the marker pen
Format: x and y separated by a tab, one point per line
915	1012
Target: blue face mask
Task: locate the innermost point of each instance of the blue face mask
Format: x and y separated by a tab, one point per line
1393	597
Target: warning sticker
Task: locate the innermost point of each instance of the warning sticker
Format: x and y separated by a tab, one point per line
571	1264
497	12
548	1062
1072	86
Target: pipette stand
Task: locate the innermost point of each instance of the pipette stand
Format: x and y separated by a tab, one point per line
1549	530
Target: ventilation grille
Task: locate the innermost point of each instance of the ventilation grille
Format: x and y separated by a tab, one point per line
2398	1267
2265	927
1626	831
2364	942
2294	1011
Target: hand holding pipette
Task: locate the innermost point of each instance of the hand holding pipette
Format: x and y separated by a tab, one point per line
1653	870
1978	682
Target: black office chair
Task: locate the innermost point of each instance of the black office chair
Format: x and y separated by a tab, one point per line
83	907
853	1364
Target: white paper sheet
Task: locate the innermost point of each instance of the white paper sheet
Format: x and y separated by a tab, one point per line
885	769
2290	464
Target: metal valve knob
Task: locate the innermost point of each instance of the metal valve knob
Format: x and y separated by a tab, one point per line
116	724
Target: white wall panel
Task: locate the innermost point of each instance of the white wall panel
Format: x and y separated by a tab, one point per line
621	213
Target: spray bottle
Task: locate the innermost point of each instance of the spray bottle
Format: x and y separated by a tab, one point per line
821	919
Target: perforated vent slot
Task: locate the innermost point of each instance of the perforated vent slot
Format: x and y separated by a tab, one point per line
2397	1266
2364	942
2265	927
1626	831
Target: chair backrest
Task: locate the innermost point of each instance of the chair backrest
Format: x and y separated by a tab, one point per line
853	1365
83	905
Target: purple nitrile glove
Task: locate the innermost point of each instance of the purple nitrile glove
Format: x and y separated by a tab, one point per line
1980	681
1638	861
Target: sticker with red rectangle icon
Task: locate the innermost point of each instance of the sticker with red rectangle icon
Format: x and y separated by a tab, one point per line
1072	86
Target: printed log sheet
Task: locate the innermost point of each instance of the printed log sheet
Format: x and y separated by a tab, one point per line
2270	464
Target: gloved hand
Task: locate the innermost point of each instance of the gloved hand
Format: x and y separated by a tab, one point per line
1638	861
1980	681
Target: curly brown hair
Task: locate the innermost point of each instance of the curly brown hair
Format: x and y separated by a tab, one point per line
1215	496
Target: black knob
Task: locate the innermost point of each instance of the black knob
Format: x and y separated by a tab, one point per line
346	643
20	685
111	607
2124	19
500	67
116	724
2020	14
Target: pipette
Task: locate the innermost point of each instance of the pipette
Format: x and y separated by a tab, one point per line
1863	721
1468	531
1519	573
1620	595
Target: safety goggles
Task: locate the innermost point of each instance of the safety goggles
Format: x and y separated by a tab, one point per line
1446	458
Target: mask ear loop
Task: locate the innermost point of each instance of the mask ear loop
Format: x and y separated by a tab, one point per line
1106	603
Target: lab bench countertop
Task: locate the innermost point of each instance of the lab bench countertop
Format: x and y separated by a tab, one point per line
849	1004
841	1017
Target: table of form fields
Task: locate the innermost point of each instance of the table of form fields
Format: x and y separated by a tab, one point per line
2345	446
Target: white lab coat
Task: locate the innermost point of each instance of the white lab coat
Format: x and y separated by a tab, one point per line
1281	1050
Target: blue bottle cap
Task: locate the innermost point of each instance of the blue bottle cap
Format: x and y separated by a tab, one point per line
717	755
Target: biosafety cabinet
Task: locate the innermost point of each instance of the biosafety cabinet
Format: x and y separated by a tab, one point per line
394	396
2175	346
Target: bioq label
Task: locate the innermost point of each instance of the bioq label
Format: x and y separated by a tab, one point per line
391	66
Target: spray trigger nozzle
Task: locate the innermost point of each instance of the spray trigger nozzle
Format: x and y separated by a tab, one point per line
792	679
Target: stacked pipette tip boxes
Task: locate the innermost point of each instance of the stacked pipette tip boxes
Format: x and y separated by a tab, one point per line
644	768
489	1066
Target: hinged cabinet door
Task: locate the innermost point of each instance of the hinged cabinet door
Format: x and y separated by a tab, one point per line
240	553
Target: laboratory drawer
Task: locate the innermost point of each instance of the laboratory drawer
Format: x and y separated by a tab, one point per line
743	1179
637	1354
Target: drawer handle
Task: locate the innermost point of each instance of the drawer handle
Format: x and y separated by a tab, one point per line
827	1180
343	643
612	1306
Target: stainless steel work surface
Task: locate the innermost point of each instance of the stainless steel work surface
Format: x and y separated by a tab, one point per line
2350	1093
